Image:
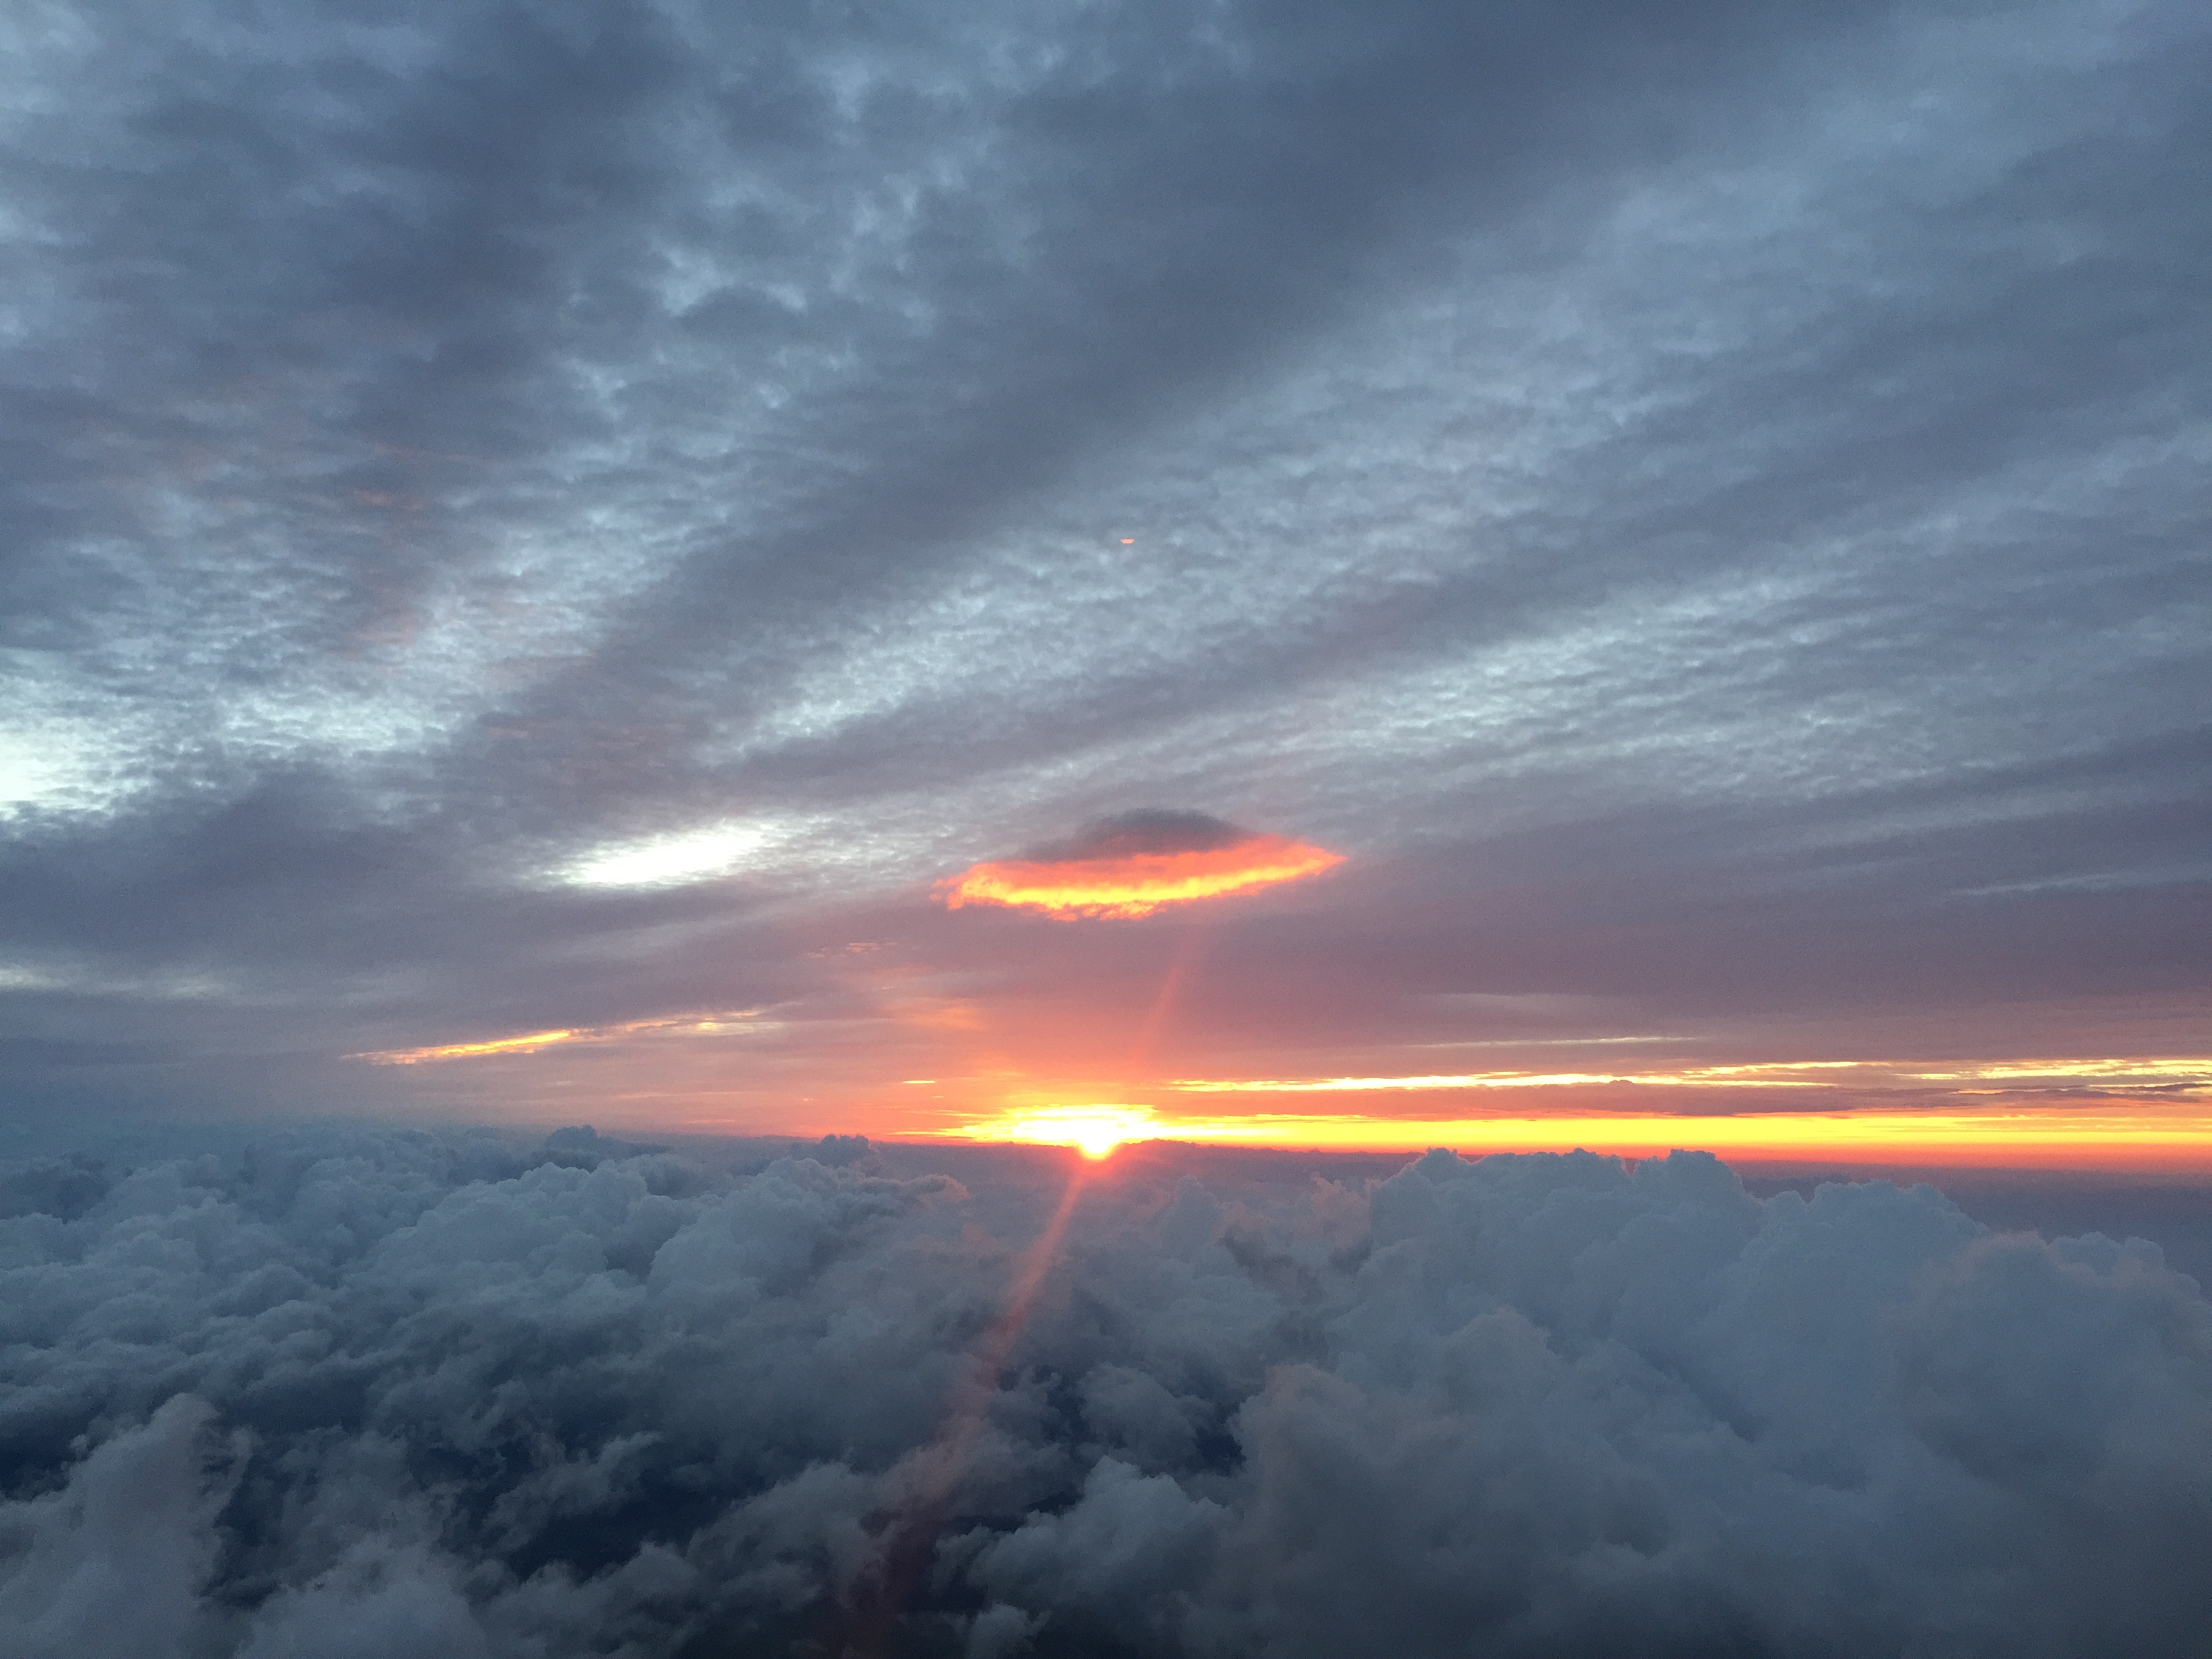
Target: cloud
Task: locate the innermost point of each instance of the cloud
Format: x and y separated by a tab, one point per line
1135	863
377	1601
1146	831
666	861
529	1043
339	1392
113	1565
1658	496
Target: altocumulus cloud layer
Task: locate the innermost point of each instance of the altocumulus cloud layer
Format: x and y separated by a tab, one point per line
345	1394
1653	485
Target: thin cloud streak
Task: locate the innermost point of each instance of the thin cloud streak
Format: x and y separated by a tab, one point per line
2189	1073
736	1020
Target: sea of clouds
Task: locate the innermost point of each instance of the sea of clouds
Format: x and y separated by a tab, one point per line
352	1392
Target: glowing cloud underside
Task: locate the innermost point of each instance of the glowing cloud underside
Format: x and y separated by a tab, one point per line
1137	884
528	1044
724	1024
2187	1075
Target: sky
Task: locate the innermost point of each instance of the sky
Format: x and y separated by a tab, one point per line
1513	574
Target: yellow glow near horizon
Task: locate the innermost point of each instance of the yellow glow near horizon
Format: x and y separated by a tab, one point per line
1720	1077
2183	1069
2096	1111
2164	1075
2082	1135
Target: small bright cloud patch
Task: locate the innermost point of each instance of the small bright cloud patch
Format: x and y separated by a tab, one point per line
671	861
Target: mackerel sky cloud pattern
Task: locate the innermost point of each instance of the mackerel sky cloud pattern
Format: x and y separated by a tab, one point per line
531	518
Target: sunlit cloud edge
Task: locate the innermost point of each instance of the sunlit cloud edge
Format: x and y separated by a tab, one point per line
724	1023
1138	883
2164	1074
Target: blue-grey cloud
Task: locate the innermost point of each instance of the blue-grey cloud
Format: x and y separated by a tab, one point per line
341	1392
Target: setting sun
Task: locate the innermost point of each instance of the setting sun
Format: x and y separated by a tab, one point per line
1094	1130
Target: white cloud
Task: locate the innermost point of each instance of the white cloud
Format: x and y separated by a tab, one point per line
670	860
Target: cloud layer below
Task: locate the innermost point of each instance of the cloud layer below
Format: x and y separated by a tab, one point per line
368	1393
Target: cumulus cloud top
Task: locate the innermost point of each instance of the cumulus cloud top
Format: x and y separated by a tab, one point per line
390	1393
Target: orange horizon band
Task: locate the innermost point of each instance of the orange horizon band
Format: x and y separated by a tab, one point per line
1930	1136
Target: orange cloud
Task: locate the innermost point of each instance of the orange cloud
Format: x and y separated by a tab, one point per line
2187	1077
715	1024
514	1045
1136	884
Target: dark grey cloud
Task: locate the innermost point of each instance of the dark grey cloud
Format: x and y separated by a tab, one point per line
527	515
351	1392
1143	829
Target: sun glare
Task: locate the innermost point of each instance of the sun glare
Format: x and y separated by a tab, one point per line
1094	1130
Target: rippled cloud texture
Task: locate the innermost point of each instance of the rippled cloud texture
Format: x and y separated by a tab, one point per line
391	1395
545	516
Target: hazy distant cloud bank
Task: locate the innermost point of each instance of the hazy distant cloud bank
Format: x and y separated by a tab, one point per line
393	1395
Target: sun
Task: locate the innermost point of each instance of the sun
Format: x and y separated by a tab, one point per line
1095	1131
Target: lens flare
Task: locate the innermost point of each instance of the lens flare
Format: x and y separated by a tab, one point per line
1136	884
